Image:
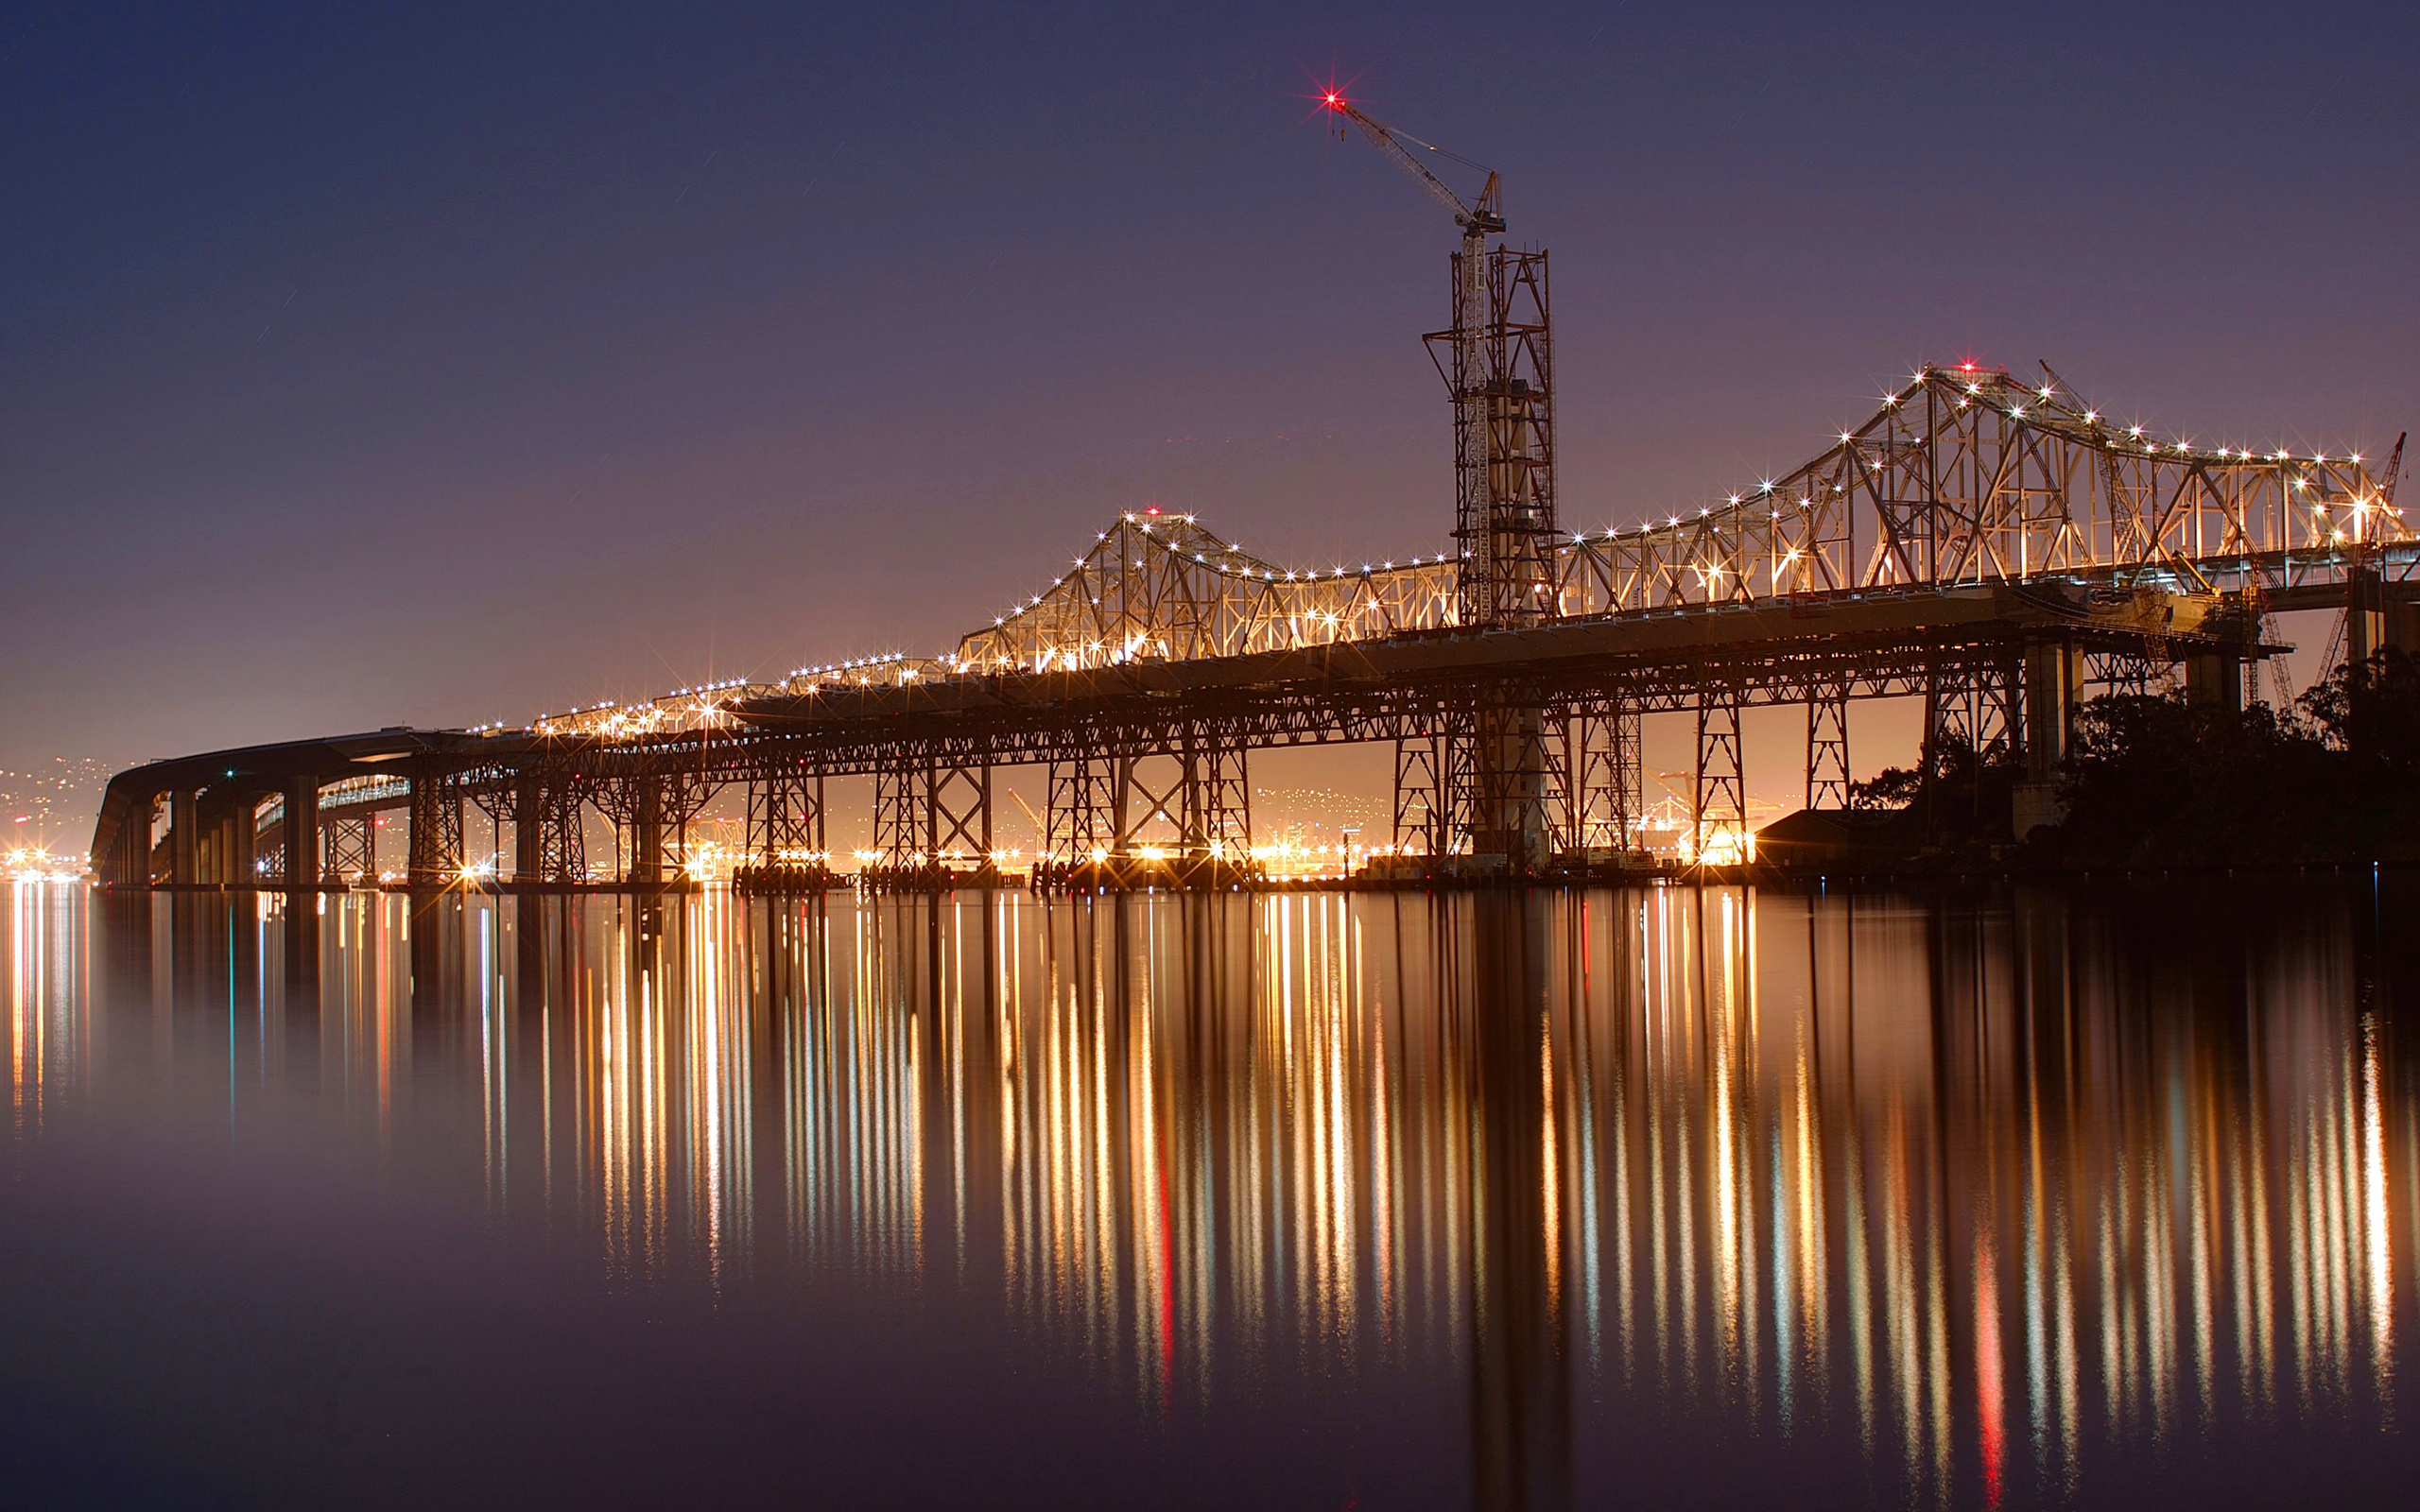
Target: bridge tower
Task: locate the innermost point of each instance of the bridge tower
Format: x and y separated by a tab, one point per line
1501	380
1497	359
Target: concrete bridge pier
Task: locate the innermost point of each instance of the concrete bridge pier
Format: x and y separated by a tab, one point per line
302	832
130	863
2379	616
227	837
184	837
528	828
1512	818
2214	680
2053	687
646	863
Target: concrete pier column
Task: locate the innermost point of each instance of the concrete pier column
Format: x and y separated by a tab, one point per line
303	831
241	847
2214	680
528	830
2399	619
2365	615
2053	687
647	831
133	863
1509	759
226	842
184	838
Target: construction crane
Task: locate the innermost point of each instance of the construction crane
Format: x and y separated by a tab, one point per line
1501	378
1478	223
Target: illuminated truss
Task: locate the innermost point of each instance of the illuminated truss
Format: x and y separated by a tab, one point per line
1160	587
1966	475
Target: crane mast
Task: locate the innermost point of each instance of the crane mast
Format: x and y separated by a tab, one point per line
1498	360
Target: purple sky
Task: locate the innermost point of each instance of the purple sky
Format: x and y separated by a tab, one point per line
446	367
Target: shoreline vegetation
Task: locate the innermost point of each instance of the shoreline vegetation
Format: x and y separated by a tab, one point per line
2153	781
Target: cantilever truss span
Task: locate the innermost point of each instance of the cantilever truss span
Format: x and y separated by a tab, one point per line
1978	541
1961	477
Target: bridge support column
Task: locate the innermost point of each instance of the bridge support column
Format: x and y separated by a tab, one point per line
1972	717
185	839
1512	818
785	820
2053	686
1719	796
1218	797
901	834
2399	619
2214	680
301	868
1602	794
932	816
352	847
1422	808
1081	819
1827	749
231	842
957	813
646	863
435	858
528	828
2365	615
131	864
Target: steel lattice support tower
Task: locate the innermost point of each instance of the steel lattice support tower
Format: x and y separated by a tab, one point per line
1499	372
1422	815
1603	799
563	840
1220	821
1827	749
434	854
1500	375
1081	811
958	809
1718	794
352	847
785	817
902	834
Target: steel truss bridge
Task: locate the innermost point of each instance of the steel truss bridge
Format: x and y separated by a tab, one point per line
1994	546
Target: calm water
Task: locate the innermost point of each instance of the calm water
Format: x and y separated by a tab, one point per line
1656	1198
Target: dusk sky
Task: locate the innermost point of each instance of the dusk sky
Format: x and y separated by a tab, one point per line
468	364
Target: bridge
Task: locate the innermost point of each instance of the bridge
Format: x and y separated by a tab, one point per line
1994	545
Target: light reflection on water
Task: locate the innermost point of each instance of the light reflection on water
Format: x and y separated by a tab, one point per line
1988	1192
